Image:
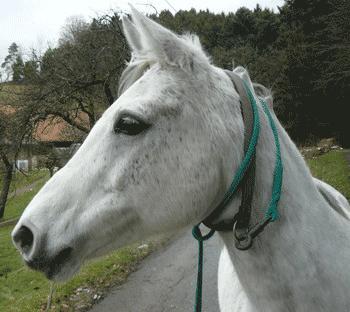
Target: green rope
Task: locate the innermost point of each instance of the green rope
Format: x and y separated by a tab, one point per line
278	174
196	232
276	191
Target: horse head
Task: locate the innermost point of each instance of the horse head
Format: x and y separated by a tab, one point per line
156	161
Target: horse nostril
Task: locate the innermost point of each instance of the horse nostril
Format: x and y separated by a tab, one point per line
23	239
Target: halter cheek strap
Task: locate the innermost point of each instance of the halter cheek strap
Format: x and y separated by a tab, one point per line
245	177
241	220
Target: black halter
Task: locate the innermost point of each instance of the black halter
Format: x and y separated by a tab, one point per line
241	221
244	179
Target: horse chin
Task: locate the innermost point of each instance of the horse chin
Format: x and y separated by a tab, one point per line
64	274
59	268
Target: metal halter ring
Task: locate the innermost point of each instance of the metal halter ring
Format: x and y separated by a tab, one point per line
244	241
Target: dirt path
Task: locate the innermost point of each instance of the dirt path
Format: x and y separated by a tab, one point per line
27	187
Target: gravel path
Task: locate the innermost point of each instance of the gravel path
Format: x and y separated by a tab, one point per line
166	280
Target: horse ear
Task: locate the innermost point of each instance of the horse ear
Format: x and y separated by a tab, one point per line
132	35
148	36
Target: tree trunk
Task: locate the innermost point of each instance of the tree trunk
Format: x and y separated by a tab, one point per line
108	93
6	186
29	156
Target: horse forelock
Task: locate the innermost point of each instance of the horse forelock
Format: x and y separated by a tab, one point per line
139	65
131	74
120	188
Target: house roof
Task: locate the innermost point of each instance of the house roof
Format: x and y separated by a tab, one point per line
54	129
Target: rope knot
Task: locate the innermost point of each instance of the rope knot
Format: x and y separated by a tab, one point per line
197	234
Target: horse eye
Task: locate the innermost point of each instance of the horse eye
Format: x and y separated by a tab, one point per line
130	126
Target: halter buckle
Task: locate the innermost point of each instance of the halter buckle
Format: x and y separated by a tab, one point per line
243	241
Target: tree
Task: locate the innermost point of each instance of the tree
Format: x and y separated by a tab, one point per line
10	59
17	69
50	161
15	125
317	68
29	71
72	29
81	74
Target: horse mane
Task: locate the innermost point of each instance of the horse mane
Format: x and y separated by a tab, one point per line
264	94
261	92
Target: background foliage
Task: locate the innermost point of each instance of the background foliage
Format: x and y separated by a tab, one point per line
302	52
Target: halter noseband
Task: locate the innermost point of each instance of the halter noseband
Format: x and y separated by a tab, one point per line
245	177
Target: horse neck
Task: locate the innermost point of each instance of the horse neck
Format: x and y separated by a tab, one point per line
296	241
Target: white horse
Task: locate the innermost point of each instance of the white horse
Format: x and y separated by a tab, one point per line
163	156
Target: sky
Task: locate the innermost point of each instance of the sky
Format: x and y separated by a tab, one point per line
35	23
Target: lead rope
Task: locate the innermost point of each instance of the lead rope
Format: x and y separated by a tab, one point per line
50	297
196	232
272	212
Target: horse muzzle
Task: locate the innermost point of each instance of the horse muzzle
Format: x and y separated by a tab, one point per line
33	248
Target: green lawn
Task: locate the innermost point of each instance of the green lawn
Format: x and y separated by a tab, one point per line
15	206
334	170
19	180
22	289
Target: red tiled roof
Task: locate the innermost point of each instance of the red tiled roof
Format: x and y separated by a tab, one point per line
53	128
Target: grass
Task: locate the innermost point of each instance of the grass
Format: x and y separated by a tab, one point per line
9	93
328	165
16	205
19	180
22	289
332	168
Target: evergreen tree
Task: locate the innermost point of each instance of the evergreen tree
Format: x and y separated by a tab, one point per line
29	70
316	44
17	69
10	59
